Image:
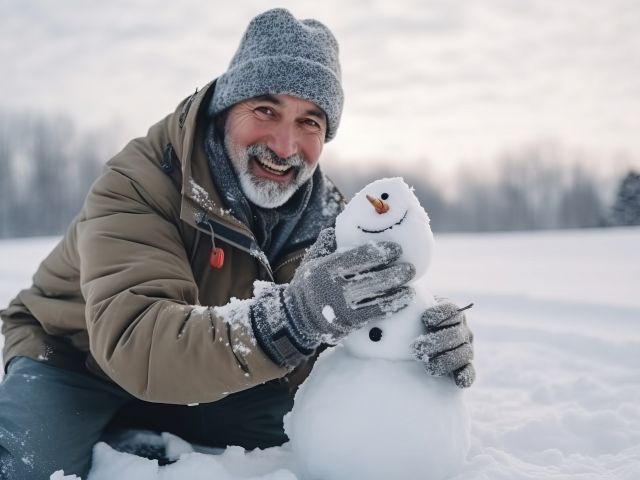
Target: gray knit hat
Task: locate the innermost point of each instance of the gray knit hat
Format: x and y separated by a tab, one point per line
280	54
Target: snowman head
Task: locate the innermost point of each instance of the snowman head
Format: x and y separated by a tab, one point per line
388	210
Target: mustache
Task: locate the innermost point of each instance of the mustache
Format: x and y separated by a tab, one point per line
262	151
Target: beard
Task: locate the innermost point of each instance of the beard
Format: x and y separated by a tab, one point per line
264	192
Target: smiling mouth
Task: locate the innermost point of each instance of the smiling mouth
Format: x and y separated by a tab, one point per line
385	229
271	167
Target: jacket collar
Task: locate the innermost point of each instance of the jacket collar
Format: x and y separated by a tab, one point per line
200	199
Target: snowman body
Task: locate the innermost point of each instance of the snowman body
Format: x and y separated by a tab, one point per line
368	409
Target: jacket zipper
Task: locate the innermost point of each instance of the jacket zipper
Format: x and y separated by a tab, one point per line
289	260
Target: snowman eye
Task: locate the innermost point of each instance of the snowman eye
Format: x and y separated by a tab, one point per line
384	196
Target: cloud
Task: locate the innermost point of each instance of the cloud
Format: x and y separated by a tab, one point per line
445	79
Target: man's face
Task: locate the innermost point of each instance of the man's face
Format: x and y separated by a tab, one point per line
274	143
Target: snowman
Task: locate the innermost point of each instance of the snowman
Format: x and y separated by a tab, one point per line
368	410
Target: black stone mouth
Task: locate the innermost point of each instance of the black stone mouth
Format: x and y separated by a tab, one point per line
385	229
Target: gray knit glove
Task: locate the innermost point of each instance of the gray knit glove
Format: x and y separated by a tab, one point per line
330	295
447	346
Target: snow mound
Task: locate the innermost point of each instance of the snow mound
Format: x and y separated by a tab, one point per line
233	464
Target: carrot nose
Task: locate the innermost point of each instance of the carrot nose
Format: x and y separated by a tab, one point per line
380	205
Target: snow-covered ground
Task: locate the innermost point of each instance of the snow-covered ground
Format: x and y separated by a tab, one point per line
557	324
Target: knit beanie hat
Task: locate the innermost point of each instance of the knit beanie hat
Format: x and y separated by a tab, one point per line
280	54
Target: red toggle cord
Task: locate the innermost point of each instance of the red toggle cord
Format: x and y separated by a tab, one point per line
216	257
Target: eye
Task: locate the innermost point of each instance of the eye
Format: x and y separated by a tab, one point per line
384	196
264	110
311	123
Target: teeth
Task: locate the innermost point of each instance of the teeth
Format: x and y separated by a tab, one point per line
279	169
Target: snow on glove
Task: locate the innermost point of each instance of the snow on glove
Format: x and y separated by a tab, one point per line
447	347
330	295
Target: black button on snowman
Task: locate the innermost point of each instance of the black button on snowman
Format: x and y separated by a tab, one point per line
375	334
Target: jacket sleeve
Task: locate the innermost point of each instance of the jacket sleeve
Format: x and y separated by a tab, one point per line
145	328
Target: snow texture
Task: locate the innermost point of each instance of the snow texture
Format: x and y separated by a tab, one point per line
557	333
59	475
201	196
236	313
328	313
331	205
259	255
232	464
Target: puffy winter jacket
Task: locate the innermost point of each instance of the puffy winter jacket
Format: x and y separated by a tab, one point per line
125	293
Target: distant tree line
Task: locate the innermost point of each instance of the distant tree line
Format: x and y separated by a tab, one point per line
48	167
534	188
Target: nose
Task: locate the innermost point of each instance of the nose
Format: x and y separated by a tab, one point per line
283	140
380	205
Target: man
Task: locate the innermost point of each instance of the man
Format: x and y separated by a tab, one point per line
146	314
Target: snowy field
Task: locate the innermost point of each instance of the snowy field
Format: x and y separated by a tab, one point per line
557	324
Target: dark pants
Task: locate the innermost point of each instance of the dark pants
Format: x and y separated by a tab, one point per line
50	418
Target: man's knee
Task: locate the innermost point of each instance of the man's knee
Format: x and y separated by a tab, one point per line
23	457
7	468
17	464
50	418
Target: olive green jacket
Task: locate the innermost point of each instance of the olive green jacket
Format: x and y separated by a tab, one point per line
125	293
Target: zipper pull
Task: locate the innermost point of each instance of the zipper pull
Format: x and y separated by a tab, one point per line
216	257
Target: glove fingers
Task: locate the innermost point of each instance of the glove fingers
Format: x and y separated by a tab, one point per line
373	284
390	303
465	376
433	343
396	300
442	315
365	257
449	361
323	246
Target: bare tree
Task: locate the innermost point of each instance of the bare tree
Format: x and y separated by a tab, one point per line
47	170
539	186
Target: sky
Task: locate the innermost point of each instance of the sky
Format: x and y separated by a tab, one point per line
446	83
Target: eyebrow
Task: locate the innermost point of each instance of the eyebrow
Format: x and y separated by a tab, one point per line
271	99
267	98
